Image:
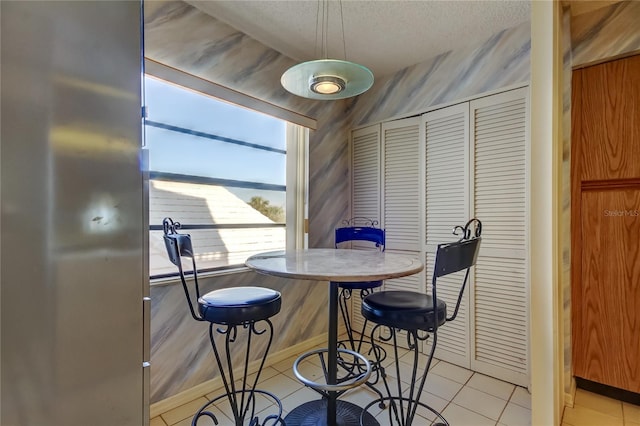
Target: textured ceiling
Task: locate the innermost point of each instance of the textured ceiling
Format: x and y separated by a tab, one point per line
384	35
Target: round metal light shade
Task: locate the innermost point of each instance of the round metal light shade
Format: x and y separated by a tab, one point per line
299	78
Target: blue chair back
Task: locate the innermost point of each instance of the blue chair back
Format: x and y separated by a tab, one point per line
367	232
360	233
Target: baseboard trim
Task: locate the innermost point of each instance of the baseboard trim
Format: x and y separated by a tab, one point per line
570	397
211	385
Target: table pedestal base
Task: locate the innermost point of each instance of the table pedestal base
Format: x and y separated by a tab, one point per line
314	413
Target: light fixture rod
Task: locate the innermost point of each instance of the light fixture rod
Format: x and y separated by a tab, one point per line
344	42
325	30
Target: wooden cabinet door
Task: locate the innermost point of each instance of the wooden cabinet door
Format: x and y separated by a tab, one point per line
607	346
605	223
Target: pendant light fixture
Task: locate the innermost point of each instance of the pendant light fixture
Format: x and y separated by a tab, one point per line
327	78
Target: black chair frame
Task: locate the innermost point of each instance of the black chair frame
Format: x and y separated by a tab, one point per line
241	399
450	258
360	229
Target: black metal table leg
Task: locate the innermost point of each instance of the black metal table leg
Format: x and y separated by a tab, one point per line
332	353
330	411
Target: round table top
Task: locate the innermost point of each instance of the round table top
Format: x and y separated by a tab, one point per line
341	265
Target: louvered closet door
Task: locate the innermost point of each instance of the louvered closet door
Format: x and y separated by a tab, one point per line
402	184
365	191
403	177
500	289
447	205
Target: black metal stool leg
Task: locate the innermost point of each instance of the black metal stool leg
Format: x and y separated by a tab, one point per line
356	343
343	300
402	409
241	400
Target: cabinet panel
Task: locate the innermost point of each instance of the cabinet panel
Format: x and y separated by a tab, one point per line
605	204
607	346
609	110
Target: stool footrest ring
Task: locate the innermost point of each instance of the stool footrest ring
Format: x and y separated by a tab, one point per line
357	380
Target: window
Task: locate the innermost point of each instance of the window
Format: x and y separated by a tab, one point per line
230	175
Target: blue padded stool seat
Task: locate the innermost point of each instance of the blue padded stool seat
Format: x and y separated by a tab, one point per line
407	310
239	305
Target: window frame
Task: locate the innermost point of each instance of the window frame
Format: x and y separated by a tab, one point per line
297	160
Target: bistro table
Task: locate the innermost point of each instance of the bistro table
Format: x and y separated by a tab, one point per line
333	265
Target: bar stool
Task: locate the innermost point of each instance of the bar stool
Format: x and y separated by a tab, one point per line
229	311
416	312
360	229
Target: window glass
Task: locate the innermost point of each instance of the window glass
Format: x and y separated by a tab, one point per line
219	170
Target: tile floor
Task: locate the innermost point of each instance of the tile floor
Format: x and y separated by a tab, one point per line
462	396
591	409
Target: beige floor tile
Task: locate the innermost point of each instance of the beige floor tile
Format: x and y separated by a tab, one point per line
298	398
631	412
515	415
382	415
432	401
271	411
422	360
308	370
285	365
362	397
390	359
491	386
221	390
157	421
281	385
267	373
482	403
581	416
442	386
598	403
405	371
206	421
263	405
383	418
182	412
521	397
453	372
460	416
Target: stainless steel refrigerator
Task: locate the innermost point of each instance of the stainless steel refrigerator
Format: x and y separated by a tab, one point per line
72	226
